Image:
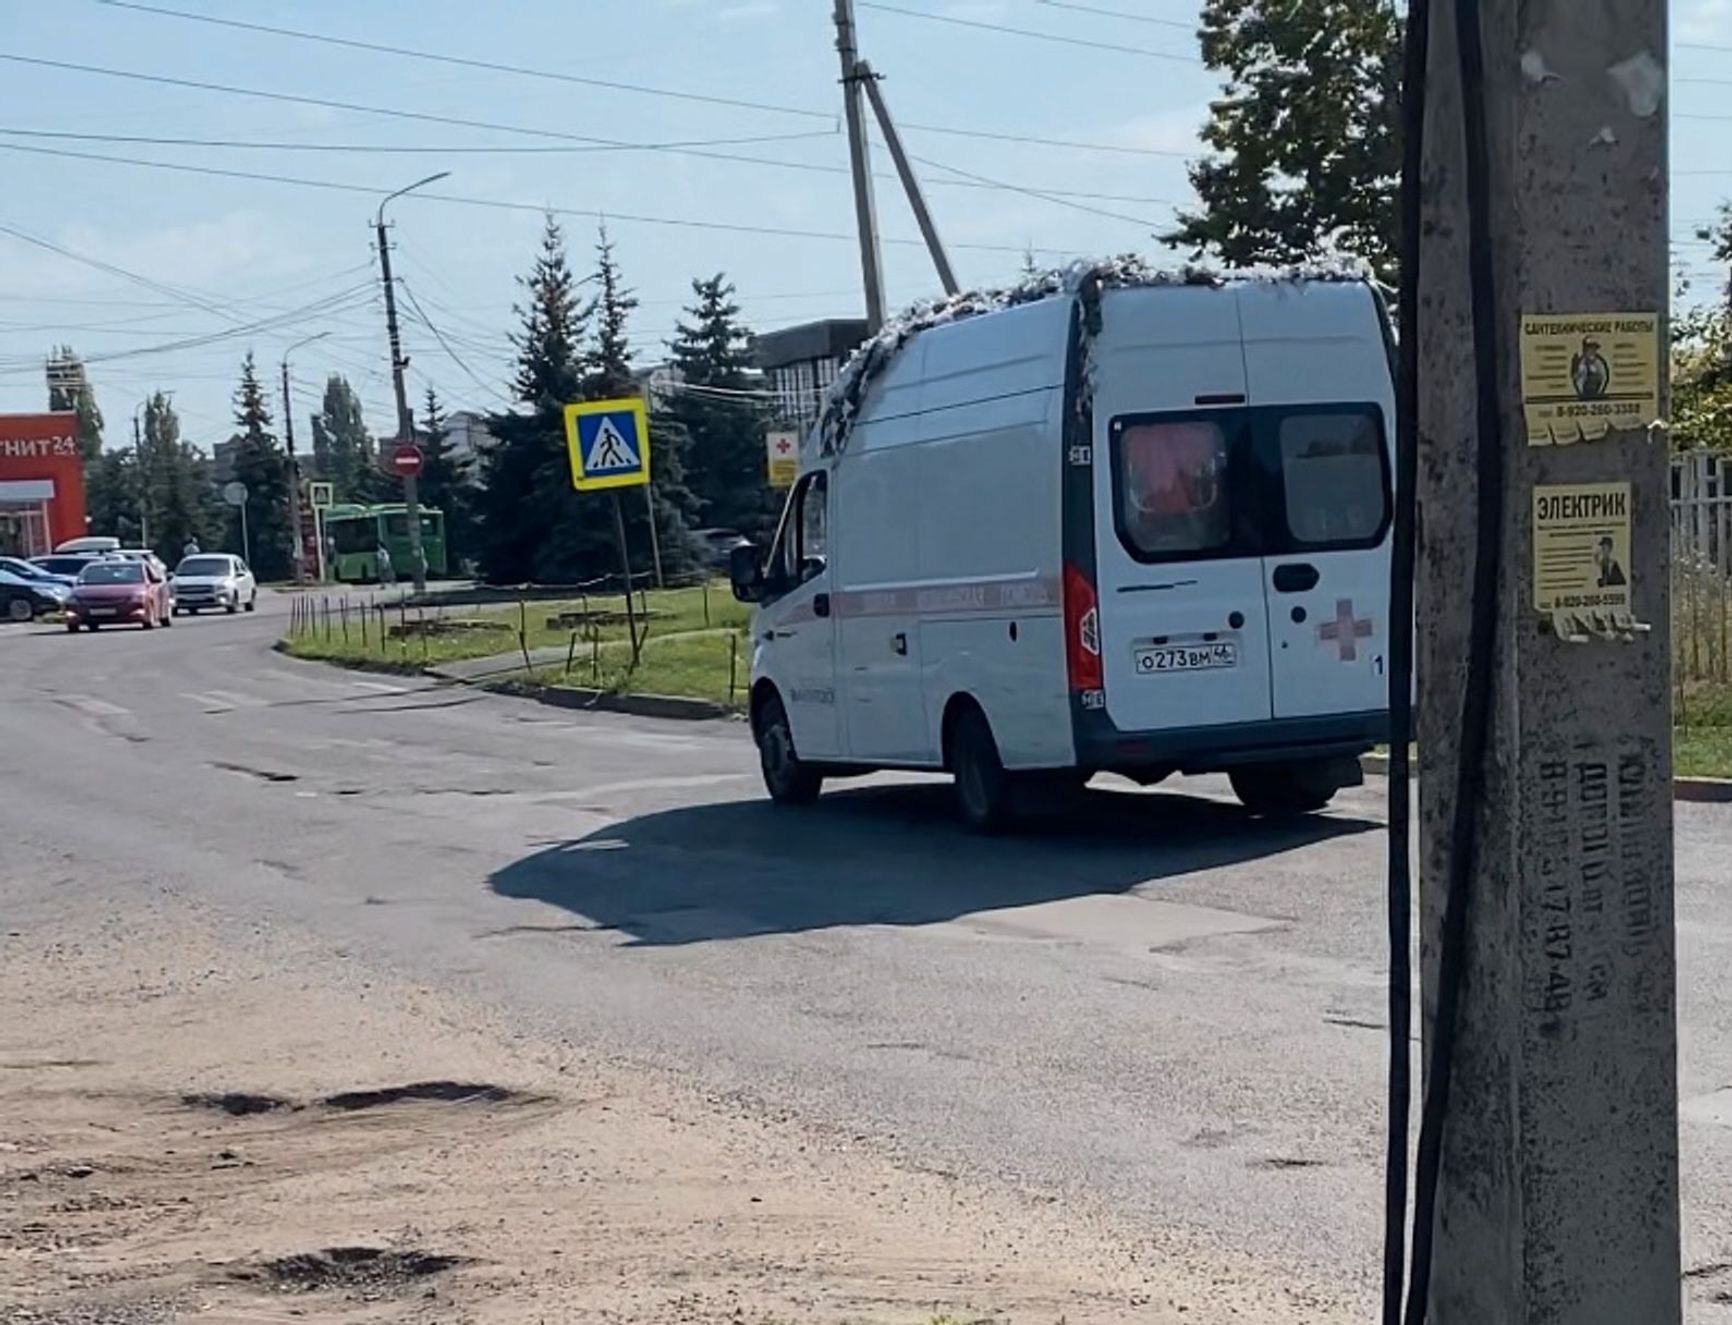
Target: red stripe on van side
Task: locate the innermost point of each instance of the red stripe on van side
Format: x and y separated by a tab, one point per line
970	598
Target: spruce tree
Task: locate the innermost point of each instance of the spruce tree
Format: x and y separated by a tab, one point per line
526	493
69	390
446	484
609	359
611	377
1306	138
725	463
259	463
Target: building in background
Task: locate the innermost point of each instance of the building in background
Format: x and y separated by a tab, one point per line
802	361
467	436
41	483
222	459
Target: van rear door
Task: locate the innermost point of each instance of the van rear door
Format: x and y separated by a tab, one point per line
1184	632
1323	410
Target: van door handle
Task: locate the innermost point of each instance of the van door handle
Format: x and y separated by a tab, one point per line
820	604
899	644
1296	577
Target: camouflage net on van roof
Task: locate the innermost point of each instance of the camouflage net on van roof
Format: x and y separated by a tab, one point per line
1084	279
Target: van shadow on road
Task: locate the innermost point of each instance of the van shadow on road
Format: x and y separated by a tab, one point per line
880	856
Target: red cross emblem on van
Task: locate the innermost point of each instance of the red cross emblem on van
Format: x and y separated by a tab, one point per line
1345	631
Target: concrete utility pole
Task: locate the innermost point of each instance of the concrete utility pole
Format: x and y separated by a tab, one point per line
910	182
297	542
399	364
865	210
1558	1194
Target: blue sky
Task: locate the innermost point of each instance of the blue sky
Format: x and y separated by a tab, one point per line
225	253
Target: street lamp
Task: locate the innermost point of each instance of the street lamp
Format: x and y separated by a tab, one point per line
408	188
297	543
405	424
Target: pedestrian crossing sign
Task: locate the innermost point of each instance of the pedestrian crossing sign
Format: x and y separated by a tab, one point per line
608	441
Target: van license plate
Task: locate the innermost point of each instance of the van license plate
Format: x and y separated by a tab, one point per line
1187	657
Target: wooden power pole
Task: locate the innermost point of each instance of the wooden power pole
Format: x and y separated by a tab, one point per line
1546	854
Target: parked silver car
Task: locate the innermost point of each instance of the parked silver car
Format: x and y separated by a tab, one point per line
214	580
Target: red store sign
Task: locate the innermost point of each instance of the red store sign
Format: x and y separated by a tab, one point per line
41	483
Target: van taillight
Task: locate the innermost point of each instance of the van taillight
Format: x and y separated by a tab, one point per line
1082	632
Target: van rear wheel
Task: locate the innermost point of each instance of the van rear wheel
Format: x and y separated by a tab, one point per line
788	781
1280	790
985	795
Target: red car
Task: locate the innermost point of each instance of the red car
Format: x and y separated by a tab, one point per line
119	593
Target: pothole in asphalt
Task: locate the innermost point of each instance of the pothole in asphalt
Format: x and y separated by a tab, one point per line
367	1269
439	1092
237	1104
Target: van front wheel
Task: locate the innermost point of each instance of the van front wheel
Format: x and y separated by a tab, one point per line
984	793
788	781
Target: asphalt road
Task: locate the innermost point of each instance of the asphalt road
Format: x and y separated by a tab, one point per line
1162	1012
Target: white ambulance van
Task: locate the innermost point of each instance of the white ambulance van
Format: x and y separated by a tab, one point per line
1135	529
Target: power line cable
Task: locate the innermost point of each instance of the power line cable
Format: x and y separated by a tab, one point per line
679	147
983	26
1067	144
467	62
425	195
1187	26
436	57
327	103
242	144
813	167
1057	199
330	304
445	344
183	296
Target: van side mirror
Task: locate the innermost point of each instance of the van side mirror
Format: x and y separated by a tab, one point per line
746	572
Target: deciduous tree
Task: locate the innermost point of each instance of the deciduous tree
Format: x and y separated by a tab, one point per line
1306	134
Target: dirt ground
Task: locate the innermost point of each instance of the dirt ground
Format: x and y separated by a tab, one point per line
193	1127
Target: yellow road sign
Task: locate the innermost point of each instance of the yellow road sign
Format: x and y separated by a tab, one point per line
609	445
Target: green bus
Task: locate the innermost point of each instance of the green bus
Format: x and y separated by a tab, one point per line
353	535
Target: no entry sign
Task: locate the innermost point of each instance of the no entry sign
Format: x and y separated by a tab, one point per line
406	460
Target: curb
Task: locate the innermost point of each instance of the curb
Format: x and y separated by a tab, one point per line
360	664
1703	791
674	707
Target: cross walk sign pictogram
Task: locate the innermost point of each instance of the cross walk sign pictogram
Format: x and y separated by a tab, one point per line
608	441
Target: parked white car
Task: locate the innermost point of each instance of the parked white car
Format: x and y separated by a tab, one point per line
212	580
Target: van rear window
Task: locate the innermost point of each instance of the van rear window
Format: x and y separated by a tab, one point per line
1267	480
1332	477
1173	491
